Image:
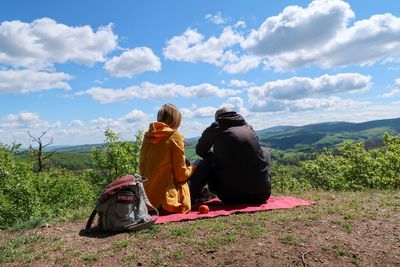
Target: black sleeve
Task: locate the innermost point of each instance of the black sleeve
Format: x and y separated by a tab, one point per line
206	140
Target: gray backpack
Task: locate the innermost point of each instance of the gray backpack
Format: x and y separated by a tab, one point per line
122	206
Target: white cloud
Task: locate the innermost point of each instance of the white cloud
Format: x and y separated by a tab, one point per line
394	92
23	121
198	112
43	42
297	28
192	47
320	35
236	104
240	83
240	24
156	91
242	64
216	19
133	62
134	115
281	94
76	123
14	127
25	81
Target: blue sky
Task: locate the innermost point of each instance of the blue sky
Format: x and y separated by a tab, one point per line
79	67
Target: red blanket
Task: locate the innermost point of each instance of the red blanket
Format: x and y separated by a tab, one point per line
217	208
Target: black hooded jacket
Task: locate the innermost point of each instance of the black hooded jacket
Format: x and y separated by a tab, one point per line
241	166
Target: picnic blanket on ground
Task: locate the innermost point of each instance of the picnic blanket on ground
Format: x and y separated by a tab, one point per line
217	208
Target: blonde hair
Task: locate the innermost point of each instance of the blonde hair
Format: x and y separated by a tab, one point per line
170	115
220	111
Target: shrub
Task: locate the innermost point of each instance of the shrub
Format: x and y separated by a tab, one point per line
25	195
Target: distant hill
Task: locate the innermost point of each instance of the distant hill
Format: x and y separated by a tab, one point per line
83	149
327	134
307	137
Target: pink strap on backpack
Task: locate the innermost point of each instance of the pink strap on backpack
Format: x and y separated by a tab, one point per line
113	188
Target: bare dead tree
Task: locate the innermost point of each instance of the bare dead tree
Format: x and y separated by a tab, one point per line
38	153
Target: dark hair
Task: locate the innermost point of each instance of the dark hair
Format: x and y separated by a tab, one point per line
170	115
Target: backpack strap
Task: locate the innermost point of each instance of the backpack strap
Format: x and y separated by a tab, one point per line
141	180
90	220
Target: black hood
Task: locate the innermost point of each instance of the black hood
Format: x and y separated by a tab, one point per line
230	118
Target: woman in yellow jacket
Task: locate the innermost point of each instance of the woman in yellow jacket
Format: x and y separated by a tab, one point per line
163	163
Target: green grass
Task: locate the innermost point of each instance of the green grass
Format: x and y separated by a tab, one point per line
337	214
340	250
288	239
90	257
21	249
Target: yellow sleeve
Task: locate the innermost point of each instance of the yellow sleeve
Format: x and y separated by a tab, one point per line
180	170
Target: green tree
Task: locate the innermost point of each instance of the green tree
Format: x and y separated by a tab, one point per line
116	158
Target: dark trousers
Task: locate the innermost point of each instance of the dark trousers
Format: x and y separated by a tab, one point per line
205	174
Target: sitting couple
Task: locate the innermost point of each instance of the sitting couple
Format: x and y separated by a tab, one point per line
233	165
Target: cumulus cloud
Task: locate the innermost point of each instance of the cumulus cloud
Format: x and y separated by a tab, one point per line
201	112
133	62
242	64
14	127
297	28
191	47
76	123
25	121
134	115
236	104
43	42
240	24
240	83
277	95
25	81
394	92
156	91
320	35
216	18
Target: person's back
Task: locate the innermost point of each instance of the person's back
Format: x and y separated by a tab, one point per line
162	162
241	167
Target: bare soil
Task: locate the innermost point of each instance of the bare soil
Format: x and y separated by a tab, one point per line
343	229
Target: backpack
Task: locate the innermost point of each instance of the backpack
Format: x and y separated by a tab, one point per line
122	206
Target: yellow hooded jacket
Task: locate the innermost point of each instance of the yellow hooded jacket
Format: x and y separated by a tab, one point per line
162	162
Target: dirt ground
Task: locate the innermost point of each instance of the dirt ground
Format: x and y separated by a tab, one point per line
343	229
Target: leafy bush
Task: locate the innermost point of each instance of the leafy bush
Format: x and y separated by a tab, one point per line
284	179
25	195
116	158
355	168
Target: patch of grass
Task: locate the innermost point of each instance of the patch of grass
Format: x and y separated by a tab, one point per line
180	230
397	237
157	259
347	227
132	256
288	239
177	254
120	244
18	249
389	203
91	257
30	224
340	250
73	252
255	232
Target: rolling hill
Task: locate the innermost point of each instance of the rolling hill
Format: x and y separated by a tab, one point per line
327	134
303	138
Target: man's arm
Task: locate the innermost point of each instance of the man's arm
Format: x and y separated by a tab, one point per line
206	140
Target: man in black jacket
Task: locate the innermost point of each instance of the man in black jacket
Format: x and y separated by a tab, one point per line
237	169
